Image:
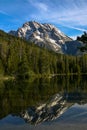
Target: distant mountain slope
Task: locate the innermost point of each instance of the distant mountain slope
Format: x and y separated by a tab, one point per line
46	35
72	48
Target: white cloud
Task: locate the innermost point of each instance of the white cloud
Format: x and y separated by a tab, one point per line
41	6
3	12
75	28
73	12
74	37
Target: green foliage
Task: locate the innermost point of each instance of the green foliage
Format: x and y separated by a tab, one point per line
83	38
1	68
24	59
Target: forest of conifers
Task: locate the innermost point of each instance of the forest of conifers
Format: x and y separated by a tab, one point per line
22	59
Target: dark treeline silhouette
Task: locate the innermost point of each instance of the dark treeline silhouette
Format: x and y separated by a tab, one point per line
83	38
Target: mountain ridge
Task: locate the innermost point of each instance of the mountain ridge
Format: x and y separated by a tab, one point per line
48	36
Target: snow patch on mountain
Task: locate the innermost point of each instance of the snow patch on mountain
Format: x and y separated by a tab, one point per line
48	36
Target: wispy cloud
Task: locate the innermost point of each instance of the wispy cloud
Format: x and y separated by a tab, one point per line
72	13
41	6
75	28
3	12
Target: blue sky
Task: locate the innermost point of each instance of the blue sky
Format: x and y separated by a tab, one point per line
70	16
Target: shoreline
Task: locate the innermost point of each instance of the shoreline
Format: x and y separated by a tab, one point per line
7	78
42	76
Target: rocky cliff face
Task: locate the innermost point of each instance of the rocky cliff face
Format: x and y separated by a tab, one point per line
48	36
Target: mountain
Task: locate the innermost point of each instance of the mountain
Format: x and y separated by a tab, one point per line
47	36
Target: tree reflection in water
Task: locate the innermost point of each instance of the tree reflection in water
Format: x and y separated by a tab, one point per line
17	97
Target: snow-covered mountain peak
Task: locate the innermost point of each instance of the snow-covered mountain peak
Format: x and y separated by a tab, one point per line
44	35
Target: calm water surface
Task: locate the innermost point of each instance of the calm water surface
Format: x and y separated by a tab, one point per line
44	104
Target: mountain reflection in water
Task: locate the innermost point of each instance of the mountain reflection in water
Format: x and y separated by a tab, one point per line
41	100
52	109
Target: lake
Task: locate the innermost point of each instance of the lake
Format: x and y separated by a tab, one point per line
57	103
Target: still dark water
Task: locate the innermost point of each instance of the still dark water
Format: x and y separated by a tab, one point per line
58	103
